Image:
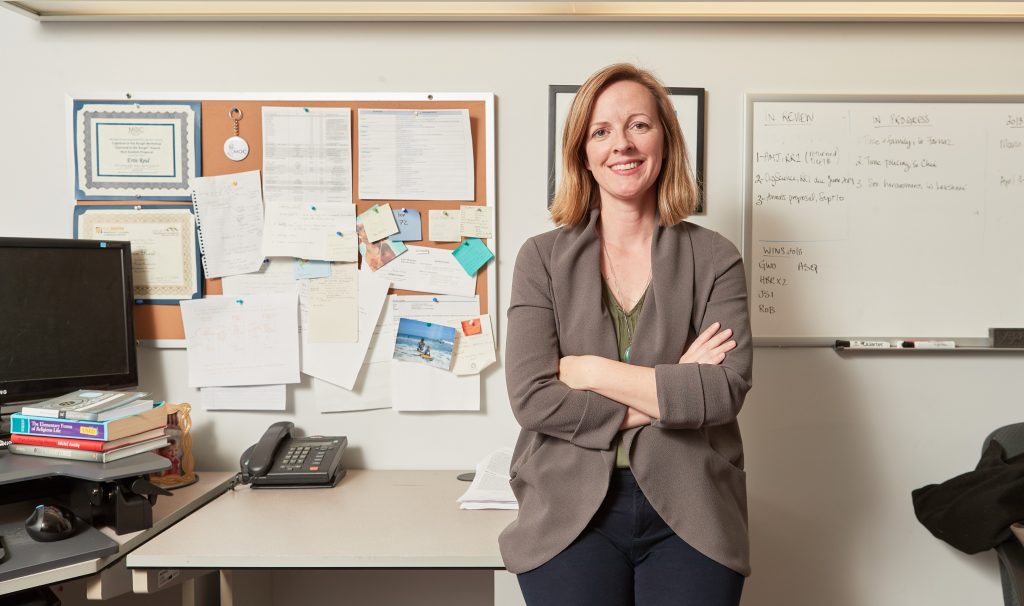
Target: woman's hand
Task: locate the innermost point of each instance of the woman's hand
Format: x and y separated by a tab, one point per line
710	346
575	371
634	418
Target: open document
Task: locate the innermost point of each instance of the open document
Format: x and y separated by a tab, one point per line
415	154
490	488
307	183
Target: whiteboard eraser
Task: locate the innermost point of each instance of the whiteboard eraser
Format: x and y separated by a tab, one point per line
1006	337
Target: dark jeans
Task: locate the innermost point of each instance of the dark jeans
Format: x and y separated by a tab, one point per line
627	555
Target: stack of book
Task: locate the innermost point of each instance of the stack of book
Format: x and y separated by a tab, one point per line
100	426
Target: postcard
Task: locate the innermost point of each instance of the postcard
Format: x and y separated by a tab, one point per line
377	254
424	342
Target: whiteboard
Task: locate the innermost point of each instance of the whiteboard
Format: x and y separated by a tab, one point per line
874	217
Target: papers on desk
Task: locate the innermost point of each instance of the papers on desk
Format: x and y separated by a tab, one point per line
490	488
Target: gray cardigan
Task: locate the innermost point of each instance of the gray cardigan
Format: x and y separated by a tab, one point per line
689	462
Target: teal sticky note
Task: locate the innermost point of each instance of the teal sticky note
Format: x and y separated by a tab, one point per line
472	255
312	269
409	229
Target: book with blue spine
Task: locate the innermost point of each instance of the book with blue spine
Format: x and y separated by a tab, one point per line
90	430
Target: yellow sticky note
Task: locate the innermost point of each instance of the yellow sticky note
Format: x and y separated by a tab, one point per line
378	222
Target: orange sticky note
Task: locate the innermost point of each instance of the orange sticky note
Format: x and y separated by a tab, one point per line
471	327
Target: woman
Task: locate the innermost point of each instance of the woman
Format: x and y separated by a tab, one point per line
628	358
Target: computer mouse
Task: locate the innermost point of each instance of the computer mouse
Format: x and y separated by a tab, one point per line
50	523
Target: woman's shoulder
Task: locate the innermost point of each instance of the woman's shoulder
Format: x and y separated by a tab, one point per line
540	246
707	244
702	235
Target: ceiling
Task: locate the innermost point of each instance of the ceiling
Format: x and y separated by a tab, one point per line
464	10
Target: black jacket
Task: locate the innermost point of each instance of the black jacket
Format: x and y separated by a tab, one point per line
973	511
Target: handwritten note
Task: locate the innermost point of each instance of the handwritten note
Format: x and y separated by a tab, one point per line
445	226
334	306
229	213
242	340
476	221
408	220
851	200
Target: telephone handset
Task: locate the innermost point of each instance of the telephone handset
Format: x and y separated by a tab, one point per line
281	461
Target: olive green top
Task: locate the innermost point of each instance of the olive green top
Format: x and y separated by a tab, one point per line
625	328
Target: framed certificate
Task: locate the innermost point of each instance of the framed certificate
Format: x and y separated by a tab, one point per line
689	106
165	251
136	150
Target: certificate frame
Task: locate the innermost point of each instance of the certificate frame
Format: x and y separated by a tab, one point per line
689	103
136	150
191	269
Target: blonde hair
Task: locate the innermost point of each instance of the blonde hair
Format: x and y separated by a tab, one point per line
578	192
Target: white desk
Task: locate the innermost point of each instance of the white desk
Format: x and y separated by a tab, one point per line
114	578
371	520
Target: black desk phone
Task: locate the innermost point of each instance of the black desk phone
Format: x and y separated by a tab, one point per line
280	461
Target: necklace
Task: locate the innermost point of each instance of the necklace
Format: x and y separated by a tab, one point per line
617	293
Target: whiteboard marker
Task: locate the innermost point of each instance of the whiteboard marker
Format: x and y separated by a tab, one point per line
926	344
860	344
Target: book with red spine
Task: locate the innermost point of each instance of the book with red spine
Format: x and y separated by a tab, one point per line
93	445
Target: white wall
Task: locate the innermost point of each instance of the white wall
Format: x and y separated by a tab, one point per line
834	444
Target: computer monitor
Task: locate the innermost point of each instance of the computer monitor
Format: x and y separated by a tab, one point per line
65	317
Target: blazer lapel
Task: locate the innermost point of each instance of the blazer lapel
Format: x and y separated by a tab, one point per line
584	326
664	328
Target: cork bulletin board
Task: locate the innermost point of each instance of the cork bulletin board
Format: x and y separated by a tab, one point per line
161	325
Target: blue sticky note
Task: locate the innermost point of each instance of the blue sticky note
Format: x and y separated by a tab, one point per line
408	220
312	269
472	255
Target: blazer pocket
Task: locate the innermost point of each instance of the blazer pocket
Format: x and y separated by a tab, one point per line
528	455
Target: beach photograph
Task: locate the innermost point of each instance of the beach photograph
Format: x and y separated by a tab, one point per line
424	342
